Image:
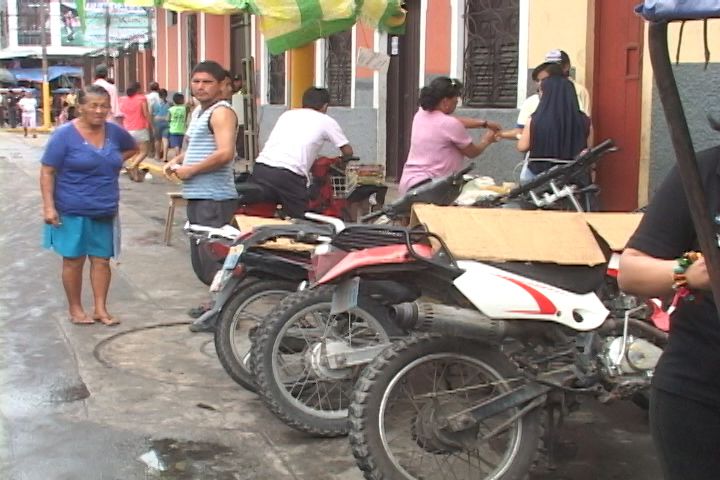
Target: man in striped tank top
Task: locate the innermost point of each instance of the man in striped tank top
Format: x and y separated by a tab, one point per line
206	166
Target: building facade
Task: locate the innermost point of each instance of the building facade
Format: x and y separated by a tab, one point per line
492	47
115	34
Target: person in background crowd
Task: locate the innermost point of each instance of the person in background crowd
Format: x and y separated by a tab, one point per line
153	98
137	122
160	120
238	106
540	73
101	78
557	131
80	194
62	118
12	109
177	124
28	107
439	141
563	59
658	261
206	166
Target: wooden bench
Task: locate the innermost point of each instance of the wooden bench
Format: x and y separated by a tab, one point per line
175	199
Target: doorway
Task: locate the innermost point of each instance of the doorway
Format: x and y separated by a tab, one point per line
402	90
617	100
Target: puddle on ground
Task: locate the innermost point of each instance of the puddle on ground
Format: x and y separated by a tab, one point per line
189	460
71	393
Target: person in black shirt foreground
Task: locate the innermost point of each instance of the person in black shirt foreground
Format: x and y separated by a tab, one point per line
685	399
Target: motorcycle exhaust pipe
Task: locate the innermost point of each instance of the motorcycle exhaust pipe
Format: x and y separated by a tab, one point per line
452	321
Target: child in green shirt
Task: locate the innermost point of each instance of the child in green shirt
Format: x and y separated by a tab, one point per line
178	118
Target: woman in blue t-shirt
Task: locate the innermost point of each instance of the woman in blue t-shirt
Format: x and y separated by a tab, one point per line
80	191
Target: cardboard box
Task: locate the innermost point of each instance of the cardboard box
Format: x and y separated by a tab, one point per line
615	228
500	234
247	222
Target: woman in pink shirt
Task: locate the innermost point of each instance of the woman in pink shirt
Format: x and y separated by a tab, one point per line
439	141
137	122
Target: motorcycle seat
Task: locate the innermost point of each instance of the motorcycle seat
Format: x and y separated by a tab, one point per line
250	193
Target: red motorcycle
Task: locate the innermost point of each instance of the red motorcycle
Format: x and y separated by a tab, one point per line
331	194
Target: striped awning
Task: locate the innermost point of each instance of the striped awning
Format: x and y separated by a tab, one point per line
289	24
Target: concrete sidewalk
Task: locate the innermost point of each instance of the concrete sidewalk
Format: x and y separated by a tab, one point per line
87	402
106	396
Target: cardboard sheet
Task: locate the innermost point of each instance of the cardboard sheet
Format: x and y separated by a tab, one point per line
497	234
615	228
247	222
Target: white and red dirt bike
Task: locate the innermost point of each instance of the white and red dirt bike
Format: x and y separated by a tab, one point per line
309	351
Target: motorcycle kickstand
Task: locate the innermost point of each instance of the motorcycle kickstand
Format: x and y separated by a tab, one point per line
551	431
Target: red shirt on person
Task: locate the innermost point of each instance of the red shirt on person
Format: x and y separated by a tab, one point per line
131	107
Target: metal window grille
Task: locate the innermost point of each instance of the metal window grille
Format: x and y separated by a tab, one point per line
276	79
338	68
29	27
491	53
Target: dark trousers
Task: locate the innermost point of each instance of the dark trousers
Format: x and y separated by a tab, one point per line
284	187
686	435
210	213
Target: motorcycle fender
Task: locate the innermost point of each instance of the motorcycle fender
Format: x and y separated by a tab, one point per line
504	295
385	255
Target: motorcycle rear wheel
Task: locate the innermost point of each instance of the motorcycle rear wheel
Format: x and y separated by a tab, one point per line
306	394
402	397
245	311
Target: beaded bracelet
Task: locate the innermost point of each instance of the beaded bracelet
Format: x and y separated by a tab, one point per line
680	283
683	263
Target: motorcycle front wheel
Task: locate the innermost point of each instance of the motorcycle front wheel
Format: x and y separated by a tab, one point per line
403	398
292	375
245	311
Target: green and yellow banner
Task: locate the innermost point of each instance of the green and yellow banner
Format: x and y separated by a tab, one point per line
289	24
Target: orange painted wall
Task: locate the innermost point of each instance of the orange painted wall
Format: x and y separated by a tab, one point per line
364	37
217	39
170	61
161	48
183	80
437	46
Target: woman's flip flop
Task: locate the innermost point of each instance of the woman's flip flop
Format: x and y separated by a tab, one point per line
108	321
84	320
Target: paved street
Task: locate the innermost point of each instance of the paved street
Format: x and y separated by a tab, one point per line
86	402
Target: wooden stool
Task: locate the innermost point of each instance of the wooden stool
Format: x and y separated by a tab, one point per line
175	199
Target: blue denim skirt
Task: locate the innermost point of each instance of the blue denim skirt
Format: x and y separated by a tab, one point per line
78	236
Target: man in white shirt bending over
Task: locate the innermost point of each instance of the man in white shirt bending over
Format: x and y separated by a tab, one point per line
283	166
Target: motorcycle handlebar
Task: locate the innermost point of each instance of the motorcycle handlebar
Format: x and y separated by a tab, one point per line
392	208
581	162
372	216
